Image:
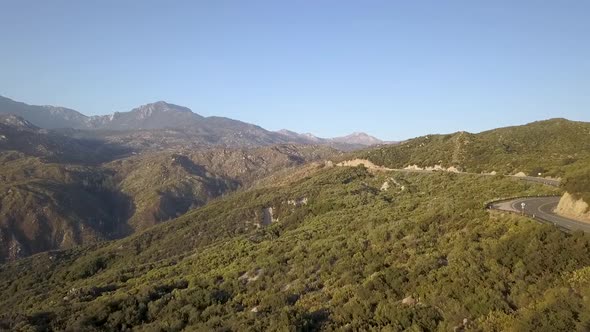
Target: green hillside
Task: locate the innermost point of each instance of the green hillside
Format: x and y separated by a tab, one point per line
165	185
340	254
544	147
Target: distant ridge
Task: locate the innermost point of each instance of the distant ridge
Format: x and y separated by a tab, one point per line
540	147
358	139
183	121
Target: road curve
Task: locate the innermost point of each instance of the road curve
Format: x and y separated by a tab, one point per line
541	208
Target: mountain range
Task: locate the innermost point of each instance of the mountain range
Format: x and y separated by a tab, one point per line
165	125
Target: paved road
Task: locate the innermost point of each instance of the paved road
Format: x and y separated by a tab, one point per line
549	182
541	208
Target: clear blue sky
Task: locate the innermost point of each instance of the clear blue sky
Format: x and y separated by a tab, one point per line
395	69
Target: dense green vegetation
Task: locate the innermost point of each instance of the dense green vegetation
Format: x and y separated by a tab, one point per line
546	147
165	185
422	255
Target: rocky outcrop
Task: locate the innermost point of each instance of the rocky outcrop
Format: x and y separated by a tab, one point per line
414	167
268	217
409	301
574	208
298	202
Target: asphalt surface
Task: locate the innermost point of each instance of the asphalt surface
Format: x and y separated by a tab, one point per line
549	182
541	208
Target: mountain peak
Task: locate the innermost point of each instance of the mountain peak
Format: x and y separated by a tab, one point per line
359	138
161	107
359	134
155	115
287	132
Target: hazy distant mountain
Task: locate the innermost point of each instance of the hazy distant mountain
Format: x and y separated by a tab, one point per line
151	116
303	138
16	121
19	135
355	140
358	138
163	125
49	117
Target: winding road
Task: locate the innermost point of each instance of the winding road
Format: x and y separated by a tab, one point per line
541	208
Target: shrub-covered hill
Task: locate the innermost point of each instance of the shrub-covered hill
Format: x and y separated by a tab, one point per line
334	252
540	147
165	185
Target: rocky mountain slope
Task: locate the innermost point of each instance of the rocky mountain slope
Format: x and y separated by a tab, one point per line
47	206
158	115
18	134
57	191
48	117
